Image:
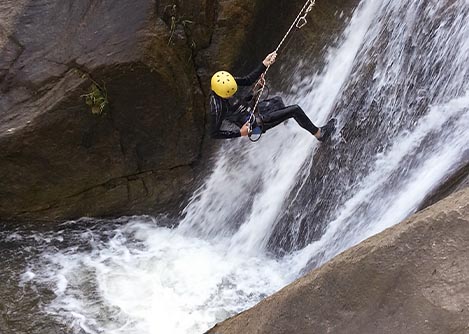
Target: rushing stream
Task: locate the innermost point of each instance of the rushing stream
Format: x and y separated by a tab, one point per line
398	82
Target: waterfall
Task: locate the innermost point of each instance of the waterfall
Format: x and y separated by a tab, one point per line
413	110
398	83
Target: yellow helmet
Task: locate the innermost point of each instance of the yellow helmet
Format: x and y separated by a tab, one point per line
224	85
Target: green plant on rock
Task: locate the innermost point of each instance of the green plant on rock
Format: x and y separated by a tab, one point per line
96	99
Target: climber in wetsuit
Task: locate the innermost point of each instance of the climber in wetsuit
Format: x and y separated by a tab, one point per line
230	113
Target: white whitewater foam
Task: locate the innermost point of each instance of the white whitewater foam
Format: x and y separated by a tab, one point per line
160	282
346	230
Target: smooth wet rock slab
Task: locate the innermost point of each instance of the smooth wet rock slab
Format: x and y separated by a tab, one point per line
412	278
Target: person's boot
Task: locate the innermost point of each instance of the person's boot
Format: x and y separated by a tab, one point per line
327	130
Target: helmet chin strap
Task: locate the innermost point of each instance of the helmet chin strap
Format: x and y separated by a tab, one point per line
299	23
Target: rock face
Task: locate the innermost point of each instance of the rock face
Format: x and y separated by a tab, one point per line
102	104
412	278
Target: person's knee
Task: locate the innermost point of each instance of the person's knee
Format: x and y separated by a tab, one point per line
278	102
296	109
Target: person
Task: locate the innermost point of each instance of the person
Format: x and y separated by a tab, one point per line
230	113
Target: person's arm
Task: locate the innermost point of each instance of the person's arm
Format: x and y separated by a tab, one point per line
216	120
252	77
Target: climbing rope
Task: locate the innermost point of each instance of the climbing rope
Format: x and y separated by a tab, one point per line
299	23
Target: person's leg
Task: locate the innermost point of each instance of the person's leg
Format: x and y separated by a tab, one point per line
272	118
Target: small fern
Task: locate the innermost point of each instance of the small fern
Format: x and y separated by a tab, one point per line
96	99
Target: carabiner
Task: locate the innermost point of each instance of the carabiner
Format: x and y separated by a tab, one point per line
301	22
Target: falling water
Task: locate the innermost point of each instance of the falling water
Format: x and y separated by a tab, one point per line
398	82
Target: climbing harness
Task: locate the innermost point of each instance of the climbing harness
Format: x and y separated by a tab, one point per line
299	23
256	122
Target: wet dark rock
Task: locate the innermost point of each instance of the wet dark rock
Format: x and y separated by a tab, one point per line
134	150
59	160
411	278
325	22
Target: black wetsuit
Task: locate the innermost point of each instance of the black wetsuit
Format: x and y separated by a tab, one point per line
229	115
